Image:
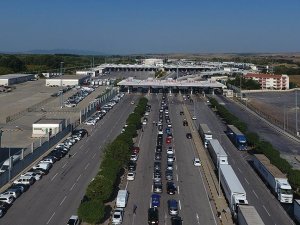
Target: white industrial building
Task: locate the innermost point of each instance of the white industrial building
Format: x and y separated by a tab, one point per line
10	79
153	62
44	127
92	73
67	80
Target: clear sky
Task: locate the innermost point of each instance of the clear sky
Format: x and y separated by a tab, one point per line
151	26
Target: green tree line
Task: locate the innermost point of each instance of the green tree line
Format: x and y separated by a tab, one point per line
248	84
116	157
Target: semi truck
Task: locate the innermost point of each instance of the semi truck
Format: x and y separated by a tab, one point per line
247	215
233	189
275	179
237	137
297	210
217	153
205	133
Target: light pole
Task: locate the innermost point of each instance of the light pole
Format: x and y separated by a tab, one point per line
61	85
219	181
296	97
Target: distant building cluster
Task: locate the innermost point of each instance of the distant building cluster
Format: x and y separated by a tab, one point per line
270	81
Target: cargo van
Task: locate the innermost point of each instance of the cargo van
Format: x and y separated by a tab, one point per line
29	180
44	166
122	198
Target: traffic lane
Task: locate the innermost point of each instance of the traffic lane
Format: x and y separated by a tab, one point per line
52	189
141	188
266	204
197	210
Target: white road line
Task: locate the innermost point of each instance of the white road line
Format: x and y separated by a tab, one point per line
246	180
178	190
94	156
78	178
255	194
126	185
152	188
166	217
50	218
81	147
74	154
140	139
63	200
176	166
72	186
197	218
266	210
87	165
54	177
239	169
177	177
64	165
179	204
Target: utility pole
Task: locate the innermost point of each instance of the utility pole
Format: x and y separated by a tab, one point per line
297	132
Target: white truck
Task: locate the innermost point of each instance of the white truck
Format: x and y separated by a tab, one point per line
247	215
5	165
233	189
205	133
122	198
297	210
217	153
275	179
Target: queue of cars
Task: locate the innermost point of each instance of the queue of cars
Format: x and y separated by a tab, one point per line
104	109
73	100
161	143
23	182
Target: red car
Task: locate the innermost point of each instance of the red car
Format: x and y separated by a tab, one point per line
135	150
168	140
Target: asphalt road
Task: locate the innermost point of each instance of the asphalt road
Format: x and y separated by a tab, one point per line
258	194
194	205
57	196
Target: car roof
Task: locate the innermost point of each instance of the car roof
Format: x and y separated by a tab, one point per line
155	196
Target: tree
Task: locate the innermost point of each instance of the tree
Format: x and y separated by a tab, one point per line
91	211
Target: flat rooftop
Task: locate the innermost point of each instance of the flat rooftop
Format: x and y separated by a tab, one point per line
69	77
49	121
14	75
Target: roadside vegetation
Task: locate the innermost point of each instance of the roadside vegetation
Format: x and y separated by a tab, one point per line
258	145
116	156
160	73
248	84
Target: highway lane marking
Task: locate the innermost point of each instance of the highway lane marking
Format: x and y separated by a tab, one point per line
94	155
166	217
179	204
87	165
50	218
72	186
239	169
255	194
177	177
63	200
78	178
64	165
81	147
246	180
178	190
54	176
74	154
266	210
176	166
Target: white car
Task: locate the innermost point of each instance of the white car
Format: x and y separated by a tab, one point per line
160	132
8	198
117	217
90	122
169	125
134	157
196	162
194	118
146	113
131	176
132	103
74	220
170	150
32	174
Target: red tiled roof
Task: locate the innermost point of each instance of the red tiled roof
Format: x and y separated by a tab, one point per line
262	75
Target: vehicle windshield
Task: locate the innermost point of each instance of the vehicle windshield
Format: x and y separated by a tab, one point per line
286	191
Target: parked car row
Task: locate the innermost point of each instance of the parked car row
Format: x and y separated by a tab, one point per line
73	100
23	182
153	212
104	109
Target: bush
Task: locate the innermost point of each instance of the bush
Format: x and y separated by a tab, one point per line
92	211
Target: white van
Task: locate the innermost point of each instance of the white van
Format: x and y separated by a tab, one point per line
45	166
122	198
29	180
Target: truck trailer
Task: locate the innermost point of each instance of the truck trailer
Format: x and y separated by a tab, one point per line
217	153
233	189
297	210
237	137
205	133
247	215
276	180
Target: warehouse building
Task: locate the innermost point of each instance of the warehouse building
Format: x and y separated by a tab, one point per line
67	80
10	79
44	127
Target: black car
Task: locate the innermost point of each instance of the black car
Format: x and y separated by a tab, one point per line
159	136
158	148
185	123
171	188
181	113
3	208
157	166
153	216
131	166
189	136
169	175
157	156
22	187
157	187
176	220
159	142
